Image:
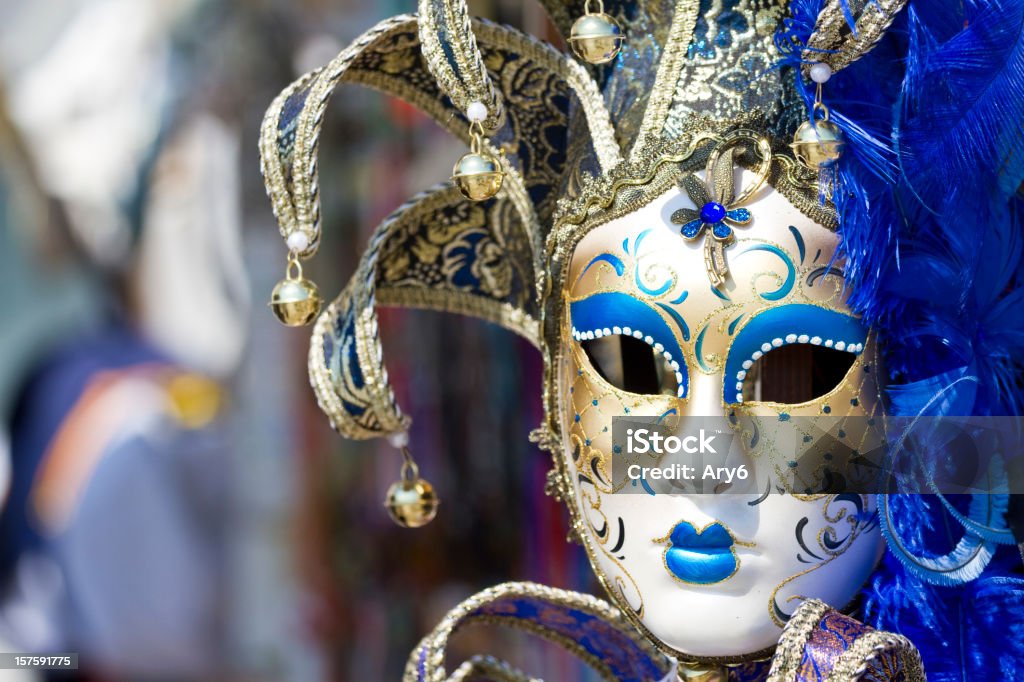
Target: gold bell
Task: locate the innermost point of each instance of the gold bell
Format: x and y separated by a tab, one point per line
818	143
411	501
478	175
295	300
596	37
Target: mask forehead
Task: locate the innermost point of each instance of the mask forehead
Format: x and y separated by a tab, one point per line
781	256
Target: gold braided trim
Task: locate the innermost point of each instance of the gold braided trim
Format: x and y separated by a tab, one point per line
303	194
381	413
296	205
489	668
436	643
835	44
305	182
467	80
599	121
273	177
795	635
328	399
602	132
854	662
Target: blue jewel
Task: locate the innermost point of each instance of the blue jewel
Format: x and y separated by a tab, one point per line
739	215
721	230
712	212
692	229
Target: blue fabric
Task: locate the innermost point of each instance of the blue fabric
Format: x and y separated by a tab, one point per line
627	660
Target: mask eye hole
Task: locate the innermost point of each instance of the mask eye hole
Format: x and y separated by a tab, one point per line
631	364
796	373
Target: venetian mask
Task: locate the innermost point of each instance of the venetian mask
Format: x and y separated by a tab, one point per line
645	331
659	243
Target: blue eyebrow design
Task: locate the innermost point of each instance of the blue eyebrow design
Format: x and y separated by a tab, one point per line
793	323
787	285
599	315
818	273
799	243
680	322
612	260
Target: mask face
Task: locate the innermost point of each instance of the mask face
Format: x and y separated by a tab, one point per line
645	334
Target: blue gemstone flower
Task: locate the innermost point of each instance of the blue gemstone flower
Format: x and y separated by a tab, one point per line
718	203
714	213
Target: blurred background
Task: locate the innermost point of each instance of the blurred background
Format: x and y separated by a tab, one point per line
175	505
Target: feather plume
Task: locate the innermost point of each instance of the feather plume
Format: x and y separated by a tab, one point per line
931	233
959	121
963	633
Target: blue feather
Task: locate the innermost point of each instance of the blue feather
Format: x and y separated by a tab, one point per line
964	633
962	106
931	234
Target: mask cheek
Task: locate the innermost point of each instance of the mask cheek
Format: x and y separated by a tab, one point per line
836	548
588	406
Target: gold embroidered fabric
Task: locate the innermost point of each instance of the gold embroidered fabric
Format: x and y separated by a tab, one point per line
591	629
436	252
690	72
818	642
728	64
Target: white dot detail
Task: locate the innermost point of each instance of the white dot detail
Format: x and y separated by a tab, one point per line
821	72
298	242
476	112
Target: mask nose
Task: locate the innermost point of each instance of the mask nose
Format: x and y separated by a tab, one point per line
705	397
706	411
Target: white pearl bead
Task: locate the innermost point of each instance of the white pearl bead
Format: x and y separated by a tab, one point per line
820	73
398	439
476	111
298	242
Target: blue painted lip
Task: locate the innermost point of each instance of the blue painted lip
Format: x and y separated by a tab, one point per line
701	557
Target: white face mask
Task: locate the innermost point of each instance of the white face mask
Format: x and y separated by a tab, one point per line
711	575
